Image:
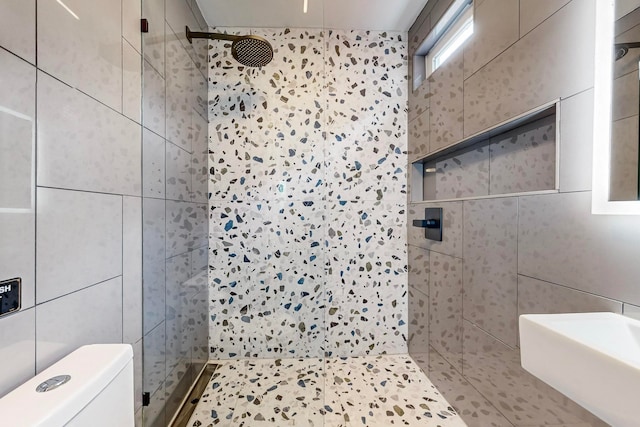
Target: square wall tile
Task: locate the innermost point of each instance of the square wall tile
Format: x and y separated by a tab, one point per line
79	241
90	316
18	28
491	276
87	55
445	308
18	351
83	145
561	246
132	269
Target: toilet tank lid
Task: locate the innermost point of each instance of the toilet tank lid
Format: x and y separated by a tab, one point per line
91	367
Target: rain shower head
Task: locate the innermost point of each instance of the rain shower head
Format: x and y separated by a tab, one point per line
252	51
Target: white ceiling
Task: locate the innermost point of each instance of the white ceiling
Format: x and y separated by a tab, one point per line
389	15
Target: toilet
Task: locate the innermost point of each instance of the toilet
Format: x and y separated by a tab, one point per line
93	386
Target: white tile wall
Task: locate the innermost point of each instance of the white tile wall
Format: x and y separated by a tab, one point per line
59	329
18	28
90	153
88	54
83	145
79	240
18	350
17	172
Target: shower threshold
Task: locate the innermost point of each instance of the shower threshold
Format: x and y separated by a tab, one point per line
372	391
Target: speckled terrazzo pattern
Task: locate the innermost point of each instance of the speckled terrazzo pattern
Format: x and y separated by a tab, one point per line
308	196
336	392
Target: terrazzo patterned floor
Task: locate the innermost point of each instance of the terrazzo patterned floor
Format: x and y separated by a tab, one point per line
372	391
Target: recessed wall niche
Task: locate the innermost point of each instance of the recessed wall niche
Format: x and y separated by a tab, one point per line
514	157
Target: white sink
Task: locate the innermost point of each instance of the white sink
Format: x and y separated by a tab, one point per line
593	358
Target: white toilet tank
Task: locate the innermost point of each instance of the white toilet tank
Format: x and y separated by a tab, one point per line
98	394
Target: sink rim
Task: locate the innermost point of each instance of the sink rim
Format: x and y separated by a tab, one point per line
549	322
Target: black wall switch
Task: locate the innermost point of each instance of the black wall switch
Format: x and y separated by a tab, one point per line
10	296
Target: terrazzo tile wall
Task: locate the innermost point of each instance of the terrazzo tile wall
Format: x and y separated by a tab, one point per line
308	196
76	179
505	256
175	246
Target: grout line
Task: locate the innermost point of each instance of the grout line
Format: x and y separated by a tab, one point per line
572	288
85	191
79	290
87	95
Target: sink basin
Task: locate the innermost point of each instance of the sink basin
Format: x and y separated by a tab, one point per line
593	358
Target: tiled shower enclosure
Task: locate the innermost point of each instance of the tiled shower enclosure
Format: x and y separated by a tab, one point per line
308	196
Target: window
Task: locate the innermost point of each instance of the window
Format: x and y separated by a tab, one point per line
452	39
448	35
